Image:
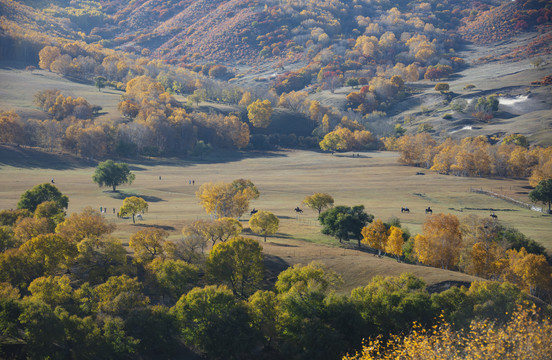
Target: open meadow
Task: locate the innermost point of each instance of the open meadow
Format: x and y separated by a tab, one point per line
374	179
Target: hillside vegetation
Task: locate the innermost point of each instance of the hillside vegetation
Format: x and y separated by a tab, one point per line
227	233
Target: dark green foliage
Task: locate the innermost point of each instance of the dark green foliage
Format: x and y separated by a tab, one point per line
483	300
10	217
543	193
214	322
517	240
344	222
157	330
30	199
109	173
392	304
7	240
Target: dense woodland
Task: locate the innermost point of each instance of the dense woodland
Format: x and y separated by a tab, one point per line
69	289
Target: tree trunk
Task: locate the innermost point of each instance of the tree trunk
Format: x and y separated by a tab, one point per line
114	188
133	221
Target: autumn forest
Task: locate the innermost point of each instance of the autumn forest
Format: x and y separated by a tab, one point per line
238	109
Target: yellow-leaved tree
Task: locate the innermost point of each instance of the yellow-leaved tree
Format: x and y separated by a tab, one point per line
221	229
319	201
264	223
259	113
441	242
395	242
526	335
375	235
133	205
227	199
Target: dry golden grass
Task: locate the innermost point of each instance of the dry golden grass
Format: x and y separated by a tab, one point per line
284	178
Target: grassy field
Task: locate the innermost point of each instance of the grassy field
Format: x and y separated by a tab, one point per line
374	179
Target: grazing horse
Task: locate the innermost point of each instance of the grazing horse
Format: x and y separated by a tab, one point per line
254	211
493	215
405	210
428	210
298	210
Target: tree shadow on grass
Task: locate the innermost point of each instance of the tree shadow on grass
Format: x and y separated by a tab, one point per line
274	265
22	157
163	227
121	195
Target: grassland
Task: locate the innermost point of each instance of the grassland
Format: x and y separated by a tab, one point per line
374	179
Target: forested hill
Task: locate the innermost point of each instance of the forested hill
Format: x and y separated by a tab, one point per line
249	31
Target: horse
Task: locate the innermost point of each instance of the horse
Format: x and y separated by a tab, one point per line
253	212
405	210
298	210
428	210
493	215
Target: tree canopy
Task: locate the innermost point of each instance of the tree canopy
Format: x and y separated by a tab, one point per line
319	201
110	173
264	223
237	263
543	192
344	222
132	206
30	199
227	199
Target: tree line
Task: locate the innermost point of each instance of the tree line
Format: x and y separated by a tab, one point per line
475	156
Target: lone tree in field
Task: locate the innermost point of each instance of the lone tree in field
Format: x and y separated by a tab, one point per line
543	193
109	173
30	199
344	222
319	201
264	223
133	205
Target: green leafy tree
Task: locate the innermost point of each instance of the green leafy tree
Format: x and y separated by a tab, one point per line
100	81
263	309
319	201
344	222
119	295
308	326
30	199
53	290
109	173
42	330
391	304
133	205
264	223
157	331
542	192
173	277
7	239
51	211
238	263
215	323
